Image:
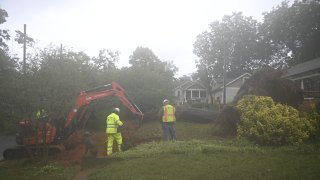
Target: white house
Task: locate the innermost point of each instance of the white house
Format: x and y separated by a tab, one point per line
307	76
191	91
232	88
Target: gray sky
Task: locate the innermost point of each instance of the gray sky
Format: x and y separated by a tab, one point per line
168	27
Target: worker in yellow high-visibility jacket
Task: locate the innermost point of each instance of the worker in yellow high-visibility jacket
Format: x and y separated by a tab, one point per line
168	121
113	122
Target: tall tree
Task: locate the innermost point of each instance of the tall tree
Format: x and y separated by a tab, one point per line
149	80
230	48
61	78
294	31
106	60
5	61
143	57
8	79
233	41
4	35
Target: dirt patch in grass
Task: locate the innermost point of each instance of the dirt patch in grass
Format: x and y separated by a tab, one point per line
148	132
75	154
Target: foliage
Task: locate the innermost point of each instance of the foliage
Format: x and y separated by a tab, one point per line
234	40
60	80
313	115
268	82
264	122
147	88
265	82
227	122
8	79
4	35
288	35
143	57
148	81
55	77
293	29
20	38
106	60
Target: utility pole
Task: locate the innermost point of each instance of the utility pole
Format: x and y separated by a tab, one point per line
61	51
24	47
24	69
224	81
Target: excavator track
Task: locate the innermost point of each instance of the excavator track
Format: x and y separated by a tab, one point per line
31	151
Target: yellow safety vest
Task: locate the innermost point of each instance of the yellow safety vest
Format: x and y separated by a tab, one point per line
113	122
169	113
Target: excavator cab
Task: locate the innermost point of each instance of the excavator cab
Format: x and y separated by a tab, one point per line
37	131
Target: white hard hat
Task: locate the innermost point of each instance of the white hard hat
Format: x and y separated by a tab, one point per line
166	100
117	109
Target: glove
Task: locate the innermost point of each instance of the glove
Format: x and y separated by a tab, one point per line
121	128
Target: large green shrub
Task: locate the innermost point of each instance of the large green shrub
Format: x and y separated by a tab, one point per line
264	122
313	115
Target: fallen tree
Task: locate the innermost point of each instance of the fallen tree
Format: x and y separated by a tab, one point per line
265	82
268	82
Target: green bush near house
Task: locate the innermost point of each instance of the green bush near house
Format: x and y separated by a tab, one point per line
267	123
314	116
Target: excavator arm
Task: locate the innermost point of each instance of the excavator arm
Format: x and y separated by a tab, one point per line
88	96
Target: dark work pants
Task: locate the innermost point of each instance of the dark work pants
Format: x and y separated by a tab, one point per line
169	131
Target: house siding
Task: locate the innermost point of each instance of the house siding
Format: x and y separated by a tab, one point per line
231	92
232	88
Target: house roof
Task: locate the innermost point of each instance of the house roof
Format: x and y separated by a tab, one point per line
183	84
232	81
196	84
303	67
188	84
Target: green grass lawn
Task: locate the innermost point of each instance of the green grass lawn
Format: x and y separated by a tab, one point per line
212	159
196	155
23	169
184	131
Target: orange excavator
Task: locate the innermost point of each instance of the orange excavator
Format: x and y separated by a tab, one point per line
33	136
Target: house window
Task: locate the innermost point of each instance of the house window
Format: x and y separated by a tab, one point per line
309	84
195	94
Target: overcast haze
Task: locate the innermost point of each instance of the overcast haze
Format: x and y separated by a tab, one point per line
168	27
